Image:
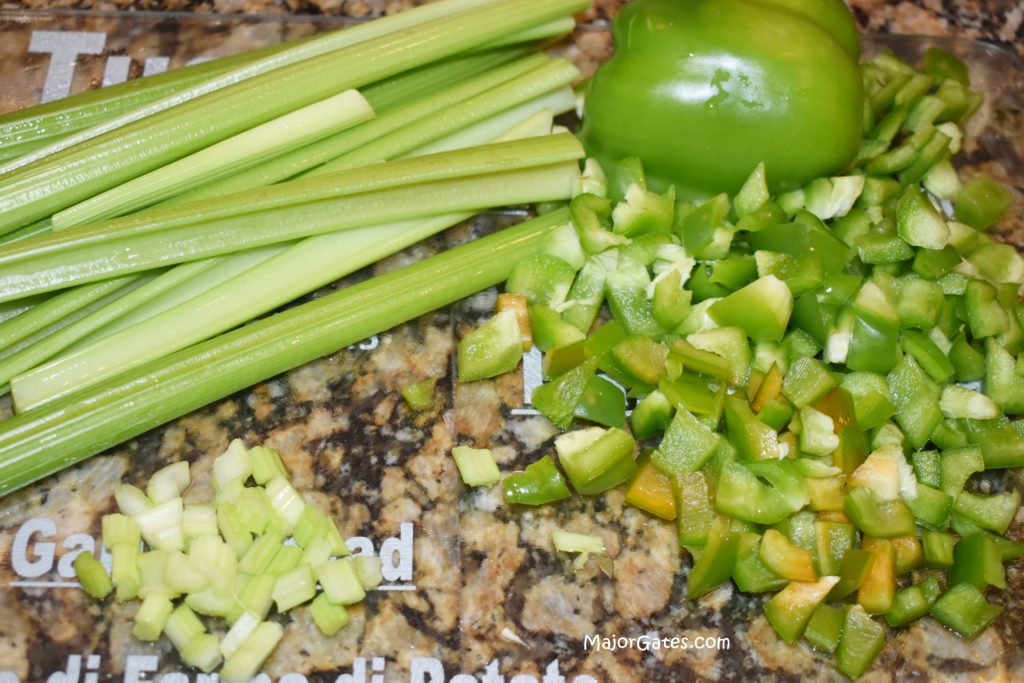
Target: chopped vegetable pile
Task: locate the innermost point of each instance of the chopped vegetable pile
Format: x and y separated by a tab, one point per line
821	383
249	550
814	373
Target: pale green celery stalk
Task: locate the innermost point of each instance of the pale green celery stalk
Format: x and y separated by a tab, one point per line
46	440
56	308
426	80
300	127
273	59
24	132
391	191
40	124
194	278
42	188
128	298
291	164
557	102
552	29
34	230
551	76
321	260
11	309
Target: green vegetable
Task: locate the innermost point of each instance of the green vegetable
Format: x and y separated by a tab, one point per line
476	466
736	100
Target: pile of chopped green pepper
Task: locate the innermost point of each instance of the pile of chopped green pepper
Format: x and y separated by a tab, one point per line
815	378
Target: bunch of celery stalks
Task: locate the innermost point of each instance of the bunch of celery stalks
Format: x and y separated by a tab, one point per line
142	225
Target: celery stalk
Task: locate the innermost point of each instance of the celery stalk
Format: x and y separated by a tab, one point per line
182	283
267	60
106	249
37	190
45	440
385	124
302	126
139	292
56	308
416	134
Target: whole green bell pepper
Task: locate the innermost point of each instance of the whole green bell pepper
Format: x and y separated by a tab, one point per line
704	90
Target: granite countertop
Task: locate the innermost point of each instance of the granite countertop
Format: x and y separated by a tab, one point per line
472	586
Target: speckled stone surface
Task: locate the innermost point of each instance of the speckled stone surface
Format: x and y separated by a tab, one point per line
475	585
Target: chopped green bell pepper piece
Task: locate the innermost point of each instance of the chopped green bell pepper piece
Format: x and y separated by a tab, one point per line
640	359
542	279
1001	445
494	348
938	548
964	609
750	574
878	590
977	561
596	459
825	628
931	506
853	571
549	330
715	563
806	382
982	201
761	309
540	483
785	559
834	540
651	415
420	395
651	491
908	605
968	362
558	399
918	222
686	446
956	467
789	610
694	510
985	315
754	439
880	519
602	402
993	512
862	640
742	493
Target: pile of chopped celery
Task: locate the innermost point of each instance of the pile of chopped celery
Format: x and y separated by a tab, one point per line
822	384
142	226
253	548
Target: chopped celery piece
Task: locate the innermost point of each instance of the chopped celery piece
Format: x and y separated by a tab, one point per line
131	500
420	395
199	519
294	588
215	560
572	542
153	614
182	626
328	617
476	466
285	500
202	652
124	570
91	573
168	483
266	464
118	528
182	577
250	655
231	465
161	525
340	581
240	630
368	569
